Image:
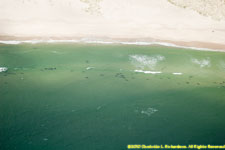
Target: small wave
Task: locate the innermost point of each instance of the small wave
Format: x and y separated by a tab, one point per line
56	52
89	68
2	69
149	111
177	73
148	72
202	63
100	107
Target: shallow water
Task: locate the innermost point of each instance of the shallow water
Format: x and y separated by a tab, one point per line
88	96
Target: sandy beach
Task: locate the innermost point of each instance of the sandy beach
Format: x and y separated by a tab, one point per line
186	23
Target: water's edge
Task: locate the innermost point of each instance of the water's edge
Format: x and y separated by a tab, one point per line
144	43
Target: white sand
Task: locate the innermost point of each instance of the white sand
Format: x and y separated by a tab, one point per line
159	20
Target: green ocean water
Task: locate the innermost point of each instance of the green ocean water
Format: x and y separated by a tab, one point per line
89	97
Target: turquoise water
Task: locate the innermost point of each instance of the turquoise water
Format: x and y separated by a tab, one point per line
77	96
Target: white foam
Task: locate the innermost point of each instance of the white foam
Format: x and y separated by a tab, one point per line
149	111
142	61
59	41
88	40
202	63
148	72
2	69
135	43
177	73
10	42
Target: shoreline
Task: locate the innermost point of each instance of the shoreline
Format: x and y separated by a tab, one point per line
193	45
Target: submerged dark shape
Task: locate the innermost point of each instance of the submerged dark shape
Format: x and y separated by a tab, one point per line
50	68
190	77
120	75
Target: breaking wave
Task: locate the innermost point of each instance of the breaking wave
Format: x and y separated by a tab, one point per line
177	73
142	61
148	72
202	63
